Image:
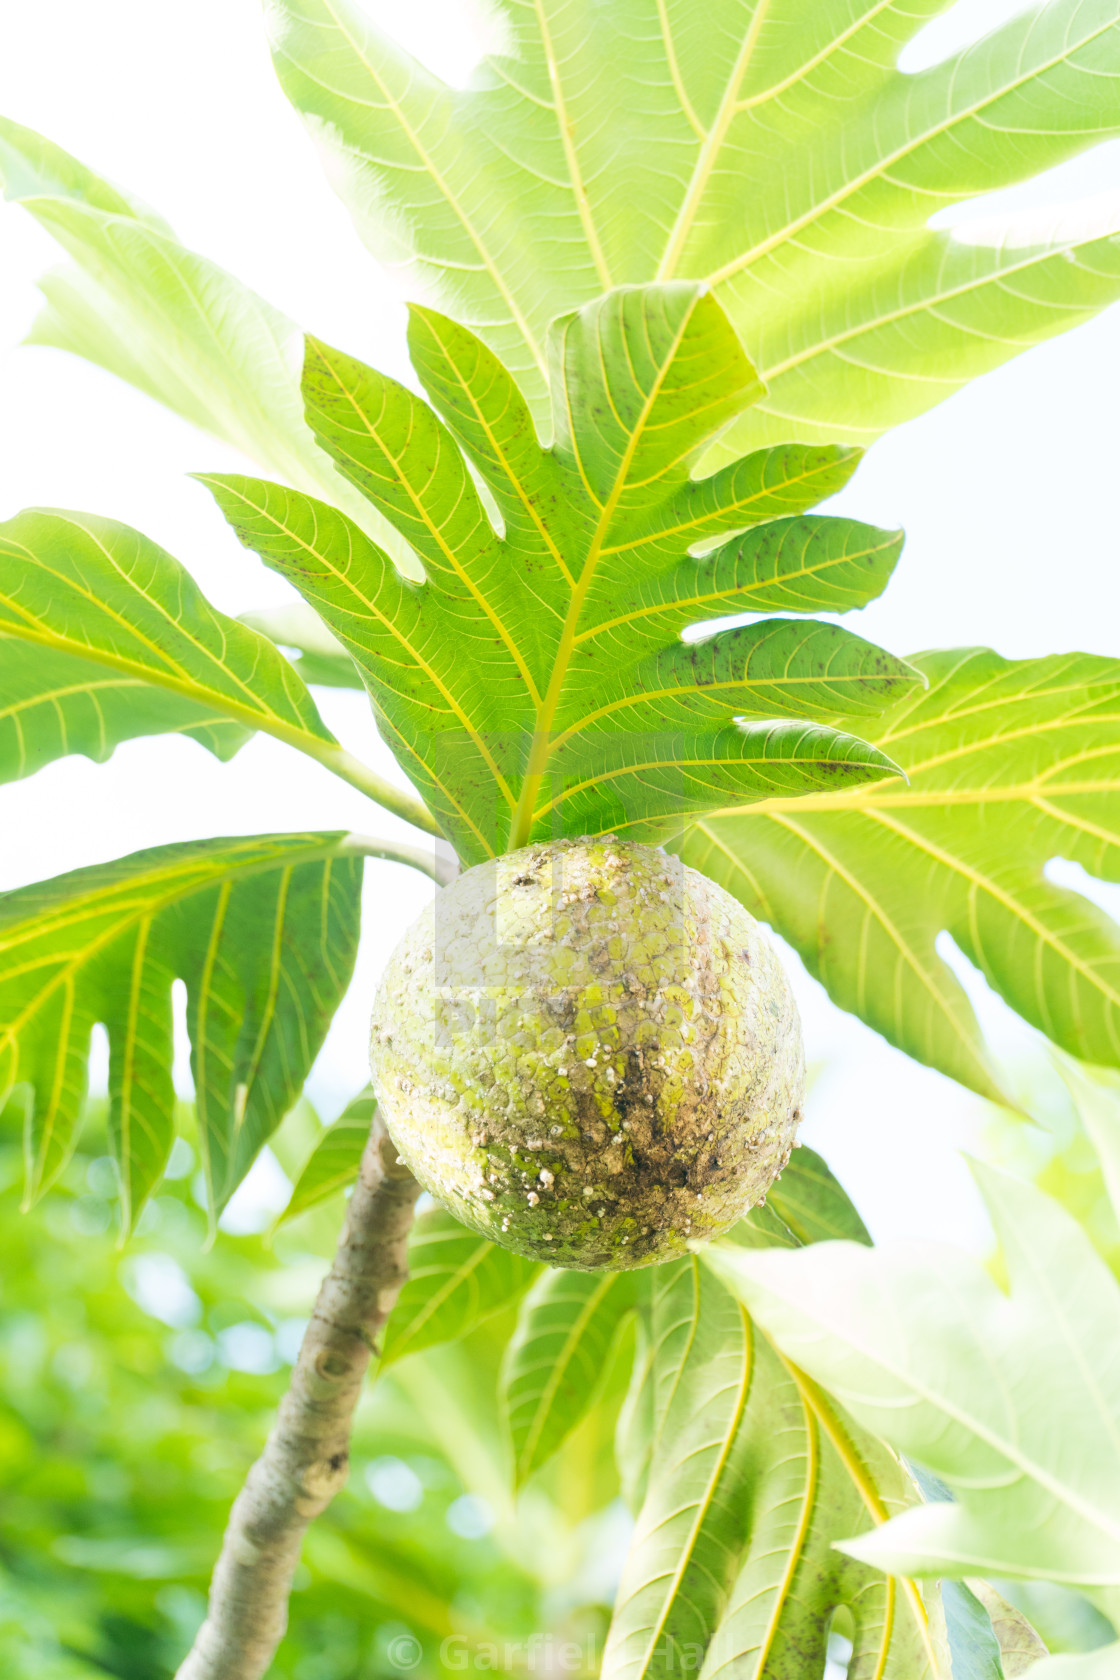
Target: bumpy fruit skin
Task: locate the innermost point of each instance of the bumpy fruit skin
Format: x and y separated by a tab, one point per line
589	1053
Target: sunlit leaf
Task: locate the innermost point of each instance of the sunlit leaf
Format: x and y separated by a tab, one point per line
773	150
77	584
321	657
167	320
742	1473
752	1474
1010	764
53	703
264	933
1011	1399
537	684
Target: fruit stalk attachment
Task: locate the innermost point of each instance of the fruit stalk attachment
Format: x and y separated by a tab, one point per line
306	1458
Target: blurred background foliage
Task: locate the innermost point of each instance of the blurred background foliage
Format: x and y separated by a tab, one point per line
137	1385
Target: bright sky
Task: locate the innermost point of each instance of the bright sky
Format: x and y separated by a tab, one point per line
1007	492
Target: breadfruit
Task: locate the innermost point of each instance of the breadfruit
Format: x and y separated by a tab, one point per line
590	1053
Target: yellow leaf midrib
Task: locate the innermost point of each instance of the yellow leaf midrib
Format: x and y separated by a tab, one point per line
388	623
710	148
558	1369
728	514
741	686
704	1503
814	1400
255	717
150	906
883	165
512	477
436	175
177	676
879	914
729	599
679	760
543	746
1000	895
571	155
446	548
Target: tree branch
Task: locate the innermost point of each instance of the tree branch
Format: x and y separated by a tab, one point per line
306	1457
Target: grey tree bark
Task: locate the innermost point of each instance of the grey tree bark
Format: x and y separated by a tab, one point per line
306	1457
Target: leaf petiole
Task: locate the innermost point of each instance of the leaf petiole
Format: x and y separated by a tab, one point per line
350	769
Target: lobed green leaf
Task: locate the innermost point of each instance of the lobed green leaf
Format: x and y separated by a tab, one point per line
812	1204
536	684
1009	764
750	1474
1011	1399
775	152
174	324
262	931
75	585
99	601
558	1358
53	703
742	1473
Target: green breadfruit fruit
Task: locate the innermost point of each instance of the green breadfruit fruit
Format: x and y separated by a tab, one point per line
589	1053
